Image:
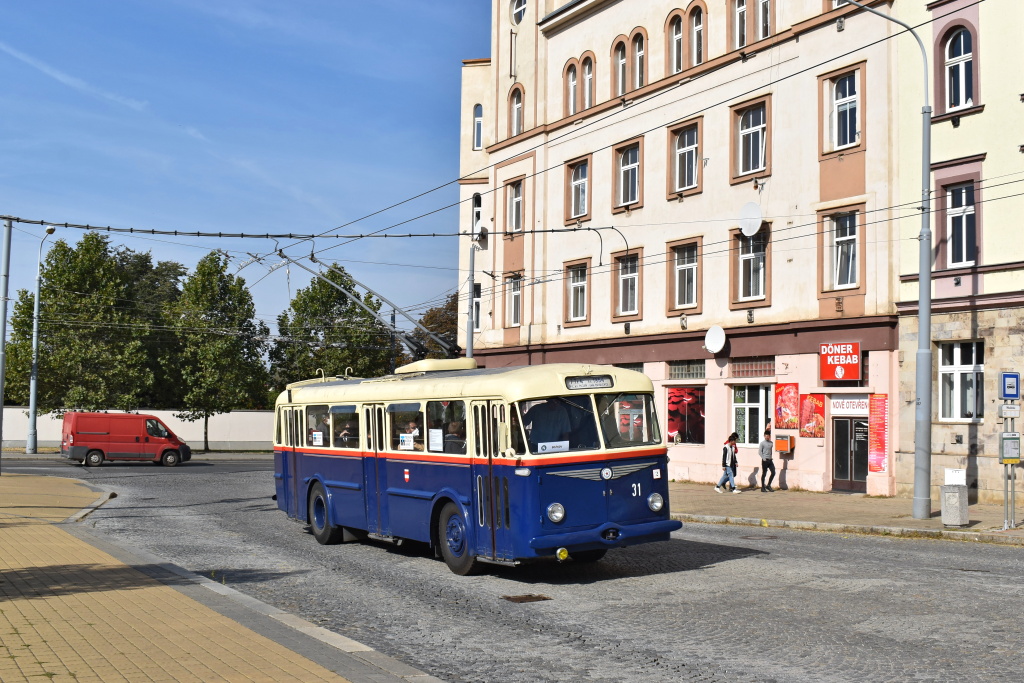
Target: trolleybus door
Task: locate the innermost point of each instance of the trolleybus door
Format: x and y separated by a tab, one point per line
491	504
293	423
375	471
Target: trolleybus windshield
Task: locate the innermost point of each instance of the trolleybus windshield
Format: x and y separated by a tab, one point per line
560	423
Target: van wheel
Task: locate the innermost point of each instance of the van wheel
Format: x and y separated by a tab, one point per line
171	458
93	458
454	541
320	518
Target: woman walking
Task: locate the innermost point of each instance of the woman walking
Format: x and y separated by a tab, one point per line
729	464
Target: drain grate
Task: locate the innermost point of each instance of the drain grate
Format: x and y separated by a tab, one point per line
525	598
762	537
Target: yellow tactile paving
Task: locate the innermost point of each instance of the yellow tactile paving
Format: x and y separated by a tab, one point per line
70	612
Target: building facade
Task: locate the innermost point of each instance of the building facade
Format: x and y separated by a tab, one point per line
635	174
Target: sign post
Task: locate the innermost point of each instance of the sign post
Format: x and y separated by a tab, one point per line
1009	443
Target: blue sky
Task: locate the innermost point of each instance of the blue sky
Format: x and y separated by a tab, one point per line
240	116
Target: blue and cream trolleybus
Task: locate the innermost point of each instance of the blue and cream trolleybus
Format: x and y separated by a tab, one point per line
496	465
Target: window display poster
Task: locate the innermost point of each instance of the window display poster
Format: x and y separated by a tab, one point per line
878	433
812	415
787	398
686	414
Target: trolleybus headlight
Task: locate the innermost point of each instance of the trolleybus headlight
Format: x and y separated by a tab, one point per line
655	502
556	512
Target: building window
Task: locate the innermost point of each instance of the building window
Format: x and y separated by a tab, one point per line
635	367
750	412
961	229
478	127
686	414
752	139
570	84
675	32
588	83
962	381
959	71
516	112
845	128
687	369
514	293
697	37
764	19
518	11
685	261
629	175
843	235
514	192
751	268
638	62
577	293
578	190
740	23
687	158
627	300
620	69
755	366
477	296
476	216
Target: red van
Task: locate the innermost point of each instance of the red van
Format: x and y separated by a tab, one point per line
94	437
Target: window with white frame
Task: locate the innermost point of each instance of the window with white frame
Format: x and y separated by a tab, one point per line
517	112
961	228
845	124
638	62
515	206
629	175
514	294
764	19
518	10
477	296
579	190
752	138
750	412
751	270
959	70
685	261
476	216
570	85
620	69
676	44
697	36
687	158
577	293
478	127
629	273
740	23
844	250
588	83
962	381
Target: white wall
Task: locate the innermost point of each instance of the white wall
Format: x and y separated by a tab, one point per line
241	430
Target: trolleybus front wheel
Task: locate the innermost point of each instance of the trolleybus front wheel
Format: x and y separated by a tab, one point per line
454	541
319	521
588	555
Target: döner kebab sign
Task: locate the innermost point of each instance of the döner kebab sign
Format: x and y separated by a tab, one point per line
839	361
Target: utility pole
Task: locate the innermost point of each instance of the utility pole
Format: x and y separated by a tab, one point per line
5	277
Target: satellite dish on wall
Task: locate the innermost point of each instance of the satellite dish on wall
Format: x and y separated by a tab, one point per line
714	340
750	219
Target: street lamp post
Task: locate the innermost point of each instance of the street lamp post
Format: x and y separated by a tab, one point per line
30	443
923	377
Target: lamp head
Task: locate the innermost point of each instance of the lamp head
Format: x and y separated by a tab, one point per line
50	229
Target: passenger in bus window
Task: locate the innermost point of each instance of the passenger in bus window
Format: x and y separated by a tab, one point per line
413	428
346	436
548	422
455	439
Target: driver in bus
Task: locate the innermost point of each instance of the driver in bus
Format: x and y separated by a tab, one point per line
548	422
413	428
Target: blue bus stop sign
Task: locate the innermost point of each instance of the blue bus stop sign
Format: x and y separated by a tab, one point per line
1009	386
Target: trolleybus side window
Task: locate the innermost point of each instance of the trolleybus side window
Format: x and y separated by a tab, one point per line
345	426
628	420
318	432
277	427
446	426
517	442
406	426
560	423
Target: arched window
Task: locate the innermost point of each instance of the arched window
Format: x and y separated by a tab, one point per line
478	127
697	37
588	83
476	216
638	62
517	10
620	69
515	113
570	85
675	37
959	70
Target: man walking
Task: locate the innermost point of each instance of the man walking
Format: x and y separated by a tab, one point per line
765	449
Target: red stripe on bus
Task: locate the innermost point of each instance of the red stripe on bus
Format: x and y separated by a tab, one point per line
524	461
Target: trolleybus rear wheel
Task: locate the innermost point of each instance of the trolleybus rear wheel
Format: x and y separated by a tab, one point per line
588	555
319	521
454	541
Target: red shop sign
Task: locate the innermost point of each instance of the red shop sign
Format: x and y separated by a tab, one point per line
839	361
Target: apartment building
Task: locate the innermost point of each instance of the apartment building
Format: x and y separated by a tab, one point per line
707	191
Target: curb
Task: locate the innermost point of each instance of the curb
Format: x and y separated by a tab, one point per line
972	536
81	514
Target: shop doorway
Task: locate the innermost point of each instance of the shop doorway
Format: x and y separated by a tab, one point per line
849	454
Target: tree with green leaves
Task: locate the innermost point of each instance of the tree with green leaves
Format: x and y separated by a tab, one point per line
96	336
443	321
222	344
324	330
